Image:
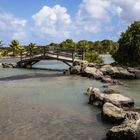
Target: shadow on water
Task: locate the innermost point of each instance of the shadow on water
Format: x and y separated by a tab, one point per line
31	76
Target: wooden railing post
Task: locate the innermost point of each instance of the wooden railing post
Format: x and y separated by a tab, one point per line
82	54
73	55
30	53
57	53
44	51
47	51
21	55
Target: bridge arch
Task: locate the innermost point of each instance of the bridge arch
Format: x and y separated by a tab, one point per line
45	53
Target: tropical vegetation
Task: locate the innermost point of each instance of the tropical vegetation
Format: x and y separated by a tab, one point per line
128	53
91	49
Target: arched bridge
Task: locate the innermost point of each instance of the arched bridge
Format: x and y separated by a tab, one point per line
32	56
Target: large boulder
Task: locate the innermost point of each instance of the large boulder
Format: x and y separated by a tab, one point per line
128	130
108	79
91	65
112	113
94	72
106	69
135	71
75	69
117	72
122	73
119	100
96	95
78	67
81	63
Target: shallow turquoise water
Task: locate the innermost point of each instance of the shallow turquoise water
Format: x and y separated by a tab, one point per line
131	89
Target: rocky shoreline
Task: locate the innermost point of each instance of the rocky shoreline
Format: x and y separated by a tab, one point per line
104	72
118	110
115	108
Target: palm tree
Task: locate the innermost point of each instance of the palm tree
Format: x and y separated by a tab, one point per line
1	44
15	45
31	46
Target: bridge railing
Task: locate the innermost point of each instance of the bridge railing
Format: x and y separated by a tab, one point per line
47	51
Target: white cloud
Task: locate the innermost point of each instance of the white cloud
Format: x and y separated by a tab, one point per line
92	14
11	27
97	16
53	21
95	9
128	10
56	22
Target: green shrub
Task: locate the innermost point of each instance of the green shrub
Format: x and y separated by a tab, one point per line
128	53
93	57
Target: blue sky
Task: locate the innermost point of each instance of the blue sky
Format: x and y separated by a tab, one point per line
26	8
45	21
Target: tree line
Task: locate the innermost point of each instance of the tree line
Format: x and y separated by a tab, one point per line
101	47
91	49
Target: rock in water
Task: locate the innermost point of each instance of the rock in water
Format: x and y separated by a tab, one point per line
92	90
106	80
106	69
8	65
92	71
128	130
123	74
110	91
89	91
112	113
119	100
75	69
96	95
117	72
66	72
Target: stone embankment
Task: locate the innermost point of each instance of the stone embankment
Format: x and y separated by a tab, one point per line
117	109
105	73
